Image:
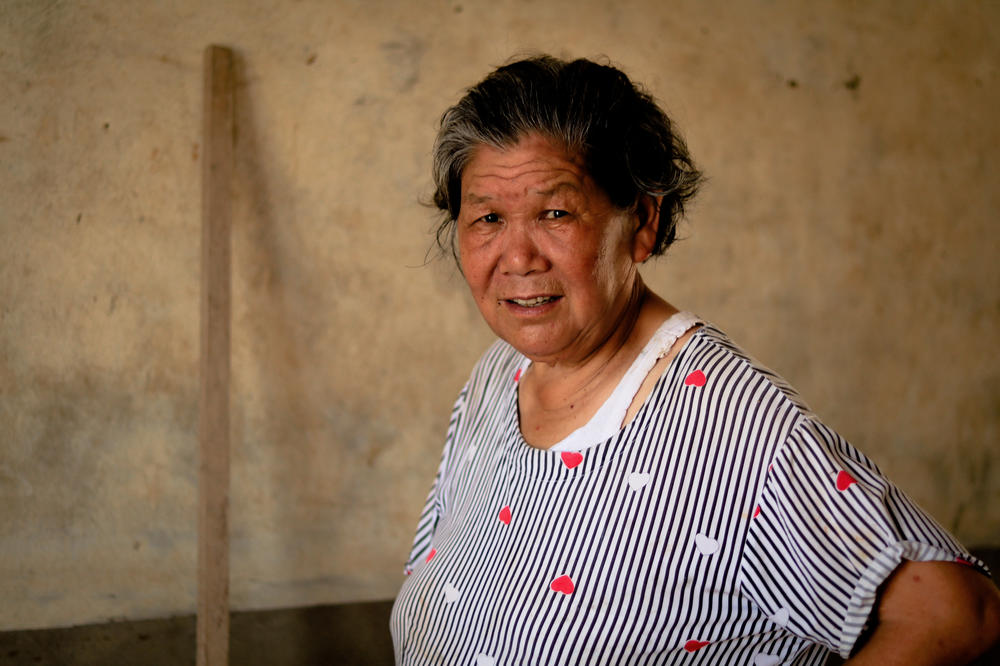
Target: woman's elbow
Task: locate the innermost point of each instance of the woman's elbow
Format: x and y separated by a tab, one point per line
985	618
939	613
970	620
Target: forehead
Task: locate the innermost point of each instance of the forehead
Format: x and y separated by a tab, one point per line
534	165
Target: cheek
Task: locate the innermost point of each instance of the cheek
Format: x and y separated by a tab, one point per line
466	256
612	258
474	271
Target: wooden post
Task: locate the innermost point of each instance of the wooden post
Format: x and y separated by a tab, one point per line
213	473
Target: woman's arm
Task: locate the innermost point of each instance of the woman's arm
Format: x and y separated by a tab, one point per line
932	613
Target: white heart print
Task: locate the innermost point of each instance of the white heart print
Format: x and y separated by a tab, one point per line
638	480
706	545
451	593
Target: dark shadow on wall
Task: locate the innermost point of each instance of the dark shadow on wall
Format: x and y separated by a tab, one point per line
281	434
264	350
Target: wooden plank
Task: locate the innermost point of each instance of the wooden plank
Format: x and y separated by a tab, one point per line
213	473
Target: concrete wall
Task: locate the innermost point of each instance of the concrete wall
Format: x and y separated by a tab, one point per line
847	237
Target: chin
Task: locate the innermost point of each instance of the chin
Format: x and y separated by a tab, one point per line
537	350
539	342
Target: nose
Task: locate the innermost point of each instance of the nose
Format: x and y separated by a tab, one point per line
520	253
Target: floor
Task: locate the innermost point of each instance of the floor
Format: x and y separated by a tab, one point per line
349	634
355	634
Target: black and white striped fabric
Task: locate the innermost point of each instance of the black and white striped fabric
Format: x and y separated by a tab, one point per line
724	525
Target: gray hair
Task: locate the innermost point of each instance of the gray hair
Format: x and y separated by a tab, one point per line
628	144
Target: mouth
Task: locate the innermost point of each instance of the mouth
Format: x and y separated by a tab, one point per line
533	302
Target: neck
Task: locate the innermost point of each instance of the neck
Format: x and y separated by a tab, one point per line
558	386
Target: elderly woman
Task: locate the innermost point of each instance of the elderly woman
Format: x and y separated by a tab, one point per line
621	483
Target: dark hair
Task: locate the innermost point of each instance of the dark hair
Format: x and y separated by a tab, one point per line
627	142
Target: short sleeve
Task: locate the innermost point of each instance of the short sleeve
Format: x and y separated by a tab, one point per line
828	530
434	506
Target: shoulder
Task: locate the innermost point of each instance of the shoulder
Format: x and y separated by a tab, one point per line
733	372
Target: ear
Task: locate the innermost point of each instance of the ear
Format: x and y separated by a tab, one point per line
647	213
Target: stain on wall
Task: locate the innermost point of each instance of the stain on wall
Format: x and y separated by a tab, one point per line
846	237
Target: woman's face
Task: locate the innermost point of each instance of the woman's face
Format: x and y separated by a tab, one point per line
551	263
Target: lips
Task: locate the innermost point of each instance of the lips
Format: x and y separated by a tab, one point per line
531	301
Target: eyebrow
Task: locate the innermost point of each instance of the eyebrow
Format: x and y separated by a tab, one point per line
475	198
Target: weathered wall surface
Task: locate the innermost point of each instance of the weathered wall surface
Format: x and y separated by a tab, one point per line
847	237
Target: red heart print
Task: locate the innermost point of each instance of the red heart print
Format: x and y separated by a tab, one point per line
517	377
430	555
845	481
563	584
696	378
572	458
693	646
756	512
505	515
962	560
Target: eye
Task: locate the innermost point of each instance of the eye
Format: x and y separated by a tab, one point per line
555	214
490	218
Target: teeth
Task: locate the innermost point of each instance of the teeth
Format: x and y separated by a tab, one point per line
532	302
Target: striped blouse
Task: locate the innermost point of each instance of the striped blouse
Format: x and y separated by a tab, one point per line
723	525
